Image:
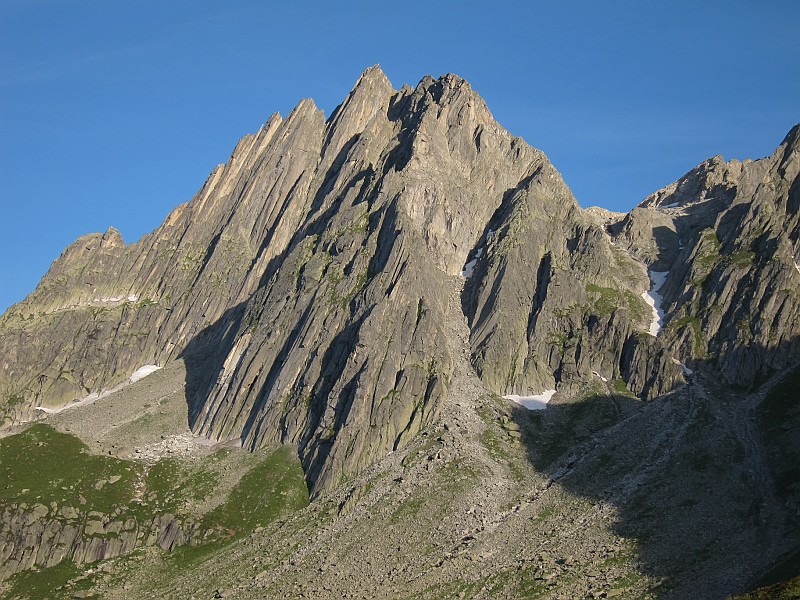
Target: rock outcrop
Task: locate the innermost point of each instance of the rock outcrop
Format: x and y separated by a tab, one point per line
43	536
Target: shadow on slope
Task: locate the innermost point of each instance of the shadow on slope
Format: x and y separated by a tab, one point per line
704	480
281	308
206	352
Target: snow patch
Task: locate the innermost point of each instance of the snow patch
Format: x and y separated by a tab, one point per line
535	402
82	402
600	376
95	301
673	205
469	268
796	266
654	300
466	272
143	372
686	370
140	373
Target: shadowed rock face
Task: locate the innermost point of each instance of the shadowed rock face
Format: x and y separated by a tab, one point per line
554	304
306	284
729	235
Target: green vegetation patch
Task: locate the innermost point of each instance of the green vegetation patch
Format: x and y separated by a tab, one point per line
274	488
345	282
14	400
173	486
512	583
708	255
619	387
449	589
63	580
42	465
11	402
788	590
605	300
192	259
742	258
698	337
359	225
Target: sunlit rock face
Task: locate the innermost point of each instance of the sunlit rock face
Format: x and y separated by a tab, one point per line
307	284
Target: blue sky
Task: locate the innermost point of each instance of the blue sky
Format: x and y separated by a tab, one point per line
114	111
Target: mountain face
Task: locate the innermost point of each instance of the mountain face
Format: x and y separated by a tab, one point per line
305	285
347	299
730	240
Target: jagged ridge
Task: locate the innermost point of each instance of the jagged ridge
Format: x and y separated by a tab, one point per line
308	280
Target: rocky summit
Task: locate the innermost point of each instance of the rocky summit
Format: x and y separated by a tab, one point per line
386	354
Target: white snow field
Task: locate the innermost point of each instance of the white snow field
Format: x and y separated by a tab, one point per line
654	300
143	372
138	374
535	402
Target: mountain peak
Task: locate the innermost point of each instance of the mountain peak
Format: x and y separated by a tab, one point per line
373	83
793	137
373	75
112	238
369	97
790	145
404	272
306	105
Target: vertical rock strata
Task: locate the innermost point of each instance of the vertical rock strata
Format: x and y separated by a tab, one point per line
553	304
32	536
343	349
728	233
306	284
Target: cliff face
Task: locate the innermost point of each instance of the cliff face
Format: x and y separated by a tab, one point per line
343	348
728	234
306	284
554	304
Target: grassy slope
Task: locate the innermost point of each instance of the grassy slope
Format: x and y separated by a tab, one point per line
240	491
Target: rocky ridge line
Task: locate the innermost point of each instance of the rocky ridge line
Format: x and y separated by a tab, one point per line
305	285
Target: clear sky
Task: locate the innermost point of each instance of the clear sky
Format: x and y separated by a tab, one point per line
114	111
